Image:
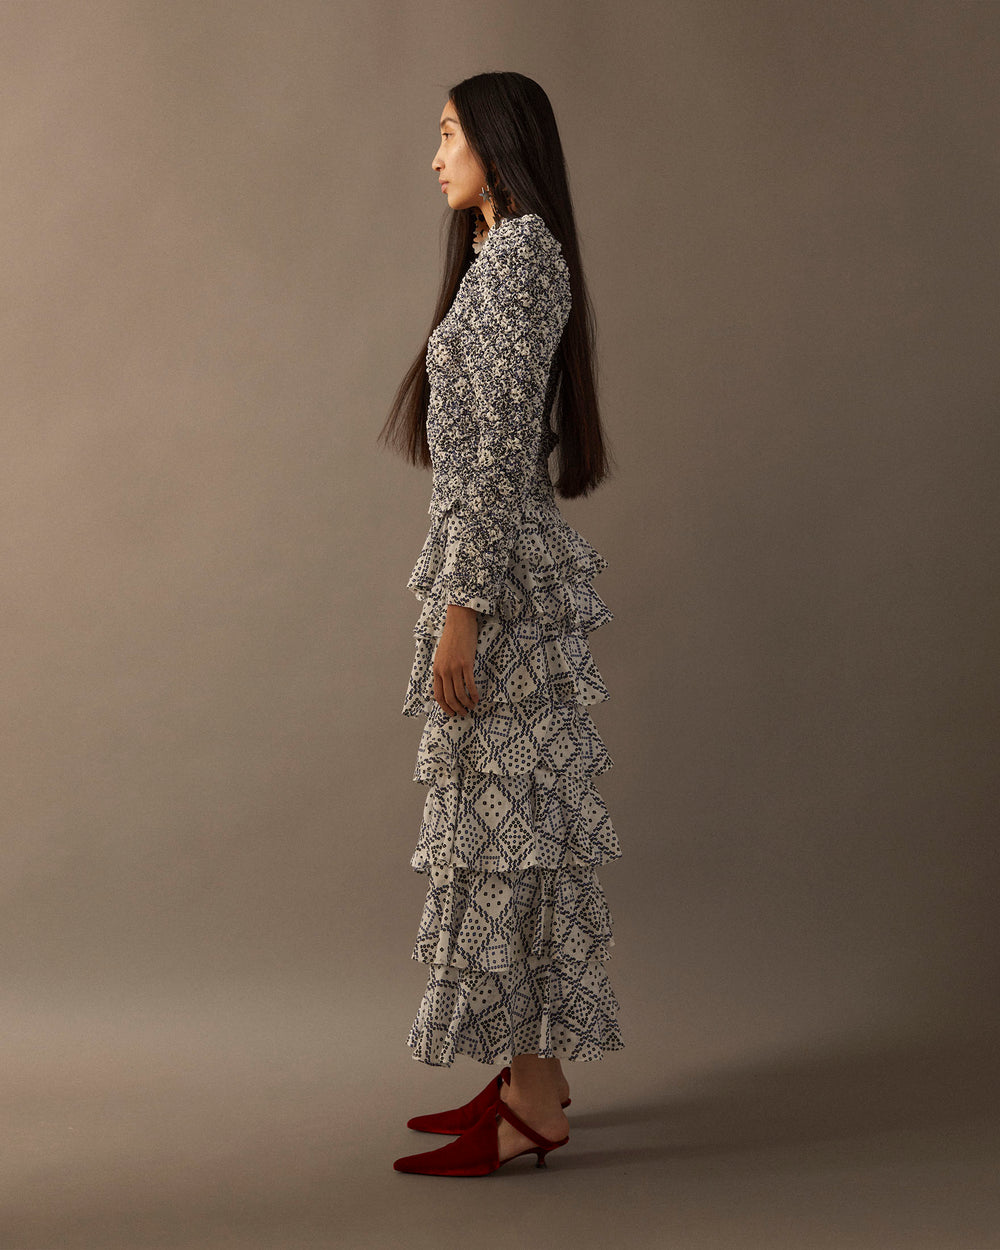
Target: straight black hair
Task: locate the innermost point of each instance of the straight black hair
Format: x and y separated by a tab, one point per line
509	124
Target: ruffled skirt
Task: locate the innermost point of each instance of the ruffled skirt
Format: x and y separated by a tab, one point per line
515	930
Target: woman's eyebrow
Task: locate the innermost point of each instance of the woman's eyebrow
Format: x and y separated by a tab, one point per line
453	120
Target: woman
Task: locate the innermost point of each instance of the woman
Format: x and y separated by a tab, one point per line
515	927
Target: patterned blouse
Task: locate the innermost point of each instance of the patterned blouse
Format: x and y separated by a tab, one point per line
490	368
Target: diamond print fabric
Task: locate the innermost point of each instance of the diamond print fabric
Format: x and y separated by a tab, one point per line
515	930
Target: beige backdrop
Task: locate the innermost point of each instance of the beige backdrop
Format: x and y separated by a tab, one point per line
221	244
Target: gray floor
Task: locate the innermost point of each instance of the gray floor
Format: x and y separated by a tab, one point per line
255	1119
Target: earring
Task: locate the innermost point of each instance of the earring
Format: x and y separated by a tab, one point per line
480	230
489	192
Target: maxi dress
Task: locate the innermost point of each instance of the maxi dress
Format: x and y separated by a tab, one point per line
516	929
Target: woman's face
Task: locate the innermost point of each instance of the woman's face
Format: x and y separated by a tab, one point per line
456	166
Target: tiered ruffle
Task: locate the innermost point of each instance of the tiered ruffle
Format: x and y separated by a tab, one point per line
515	928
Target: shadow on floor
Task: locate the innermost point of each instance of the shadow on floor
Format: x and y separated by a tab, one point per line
906	1087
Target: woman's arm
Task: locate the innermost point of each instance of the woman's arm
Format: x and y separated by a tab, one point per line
517	312
454	658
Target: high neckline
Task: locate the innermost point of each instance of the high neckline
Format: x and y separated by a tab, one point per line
493	230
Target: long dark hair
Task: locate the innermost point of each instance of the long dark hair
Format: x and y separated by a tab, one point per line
508	123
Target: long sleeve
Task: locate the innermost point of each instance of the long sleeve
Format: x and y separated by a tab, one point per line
516	315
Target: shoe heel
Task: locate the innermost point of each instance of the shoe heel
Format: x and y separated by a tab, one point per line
540	1163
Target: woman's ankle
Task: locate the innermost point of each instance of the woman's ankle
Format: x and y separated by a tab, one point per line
542	1113
561	1090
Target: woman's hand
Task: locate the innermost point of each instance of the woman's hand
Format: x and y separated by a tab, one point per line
454	688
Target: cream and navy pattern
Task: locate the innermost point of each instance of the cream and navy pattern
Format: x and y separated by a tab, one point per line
515	930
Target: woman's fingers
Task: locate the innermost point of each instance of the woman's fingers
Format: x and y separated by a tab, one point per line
455	694
450	694
470	683
442	696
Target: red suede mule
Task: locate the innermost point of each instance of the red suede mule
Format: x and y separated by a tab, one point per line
477	1151
461	1118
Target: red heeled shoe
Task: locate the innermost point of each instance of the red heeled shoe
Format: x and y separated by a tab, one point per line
477	1151
461	1118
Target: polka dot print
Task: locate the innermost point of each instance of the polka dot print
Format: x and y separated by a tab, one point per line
515	930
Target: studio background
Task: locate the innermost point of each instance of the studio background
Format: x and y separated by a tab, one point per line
221	245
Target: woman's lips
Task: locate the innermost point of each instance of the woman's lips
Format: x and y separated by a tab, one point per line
444	186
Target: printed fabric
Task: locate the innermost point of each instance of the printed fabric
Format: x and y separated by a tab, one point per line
516	930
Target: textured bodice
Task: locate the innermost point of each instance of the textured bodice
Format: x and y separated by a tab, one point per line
490	364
